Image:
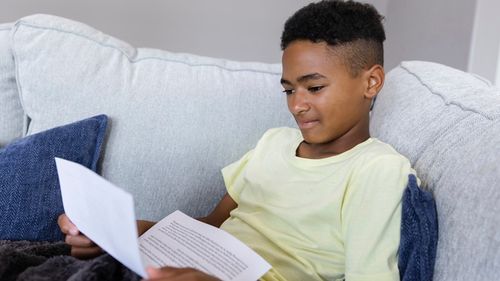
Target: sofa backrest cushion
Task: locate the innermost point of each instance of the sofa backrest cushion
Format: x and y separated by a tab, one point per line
447	123
175	119
11	112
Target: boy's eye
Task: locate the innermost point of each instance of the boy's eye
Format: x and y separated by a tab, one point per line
288	92
315	89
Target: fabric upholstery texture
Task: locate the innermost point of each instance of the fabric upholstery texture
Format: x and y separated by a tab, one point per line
169	136
30	197
419	233
447	123
11	112
41	261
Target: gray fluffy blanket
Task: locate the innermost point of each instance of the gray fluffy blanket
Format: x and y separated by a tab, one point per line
25	260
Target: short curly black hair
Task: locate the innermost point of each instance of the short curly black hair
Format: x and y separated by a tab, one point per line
355	27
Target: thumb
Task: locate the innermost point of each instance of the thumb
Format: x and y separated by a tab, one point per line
154	272
66	225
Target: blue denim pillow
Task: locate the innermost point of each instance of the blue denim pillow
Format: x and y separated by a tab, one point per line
419	233
30	197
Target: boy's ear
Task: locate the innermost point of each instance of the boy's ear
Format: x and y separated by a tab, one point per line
375	76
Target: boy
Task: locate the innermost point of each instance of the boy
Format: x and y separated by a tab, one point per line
322	202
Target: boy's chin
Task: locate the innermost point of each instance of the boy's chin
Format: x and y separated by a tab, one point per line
315	138
310	138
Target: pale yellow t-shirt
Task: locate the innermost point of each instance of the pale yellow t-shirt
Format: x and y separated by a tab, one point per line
336	218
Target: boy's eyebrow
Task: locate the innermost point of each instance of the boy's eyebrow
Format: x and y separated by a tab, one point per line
303	78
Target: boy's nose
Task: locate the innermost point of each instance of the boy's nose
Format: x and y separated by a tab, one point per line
298	103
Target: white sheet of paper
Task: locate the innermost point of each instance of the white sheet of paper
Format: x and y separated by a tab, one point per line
181	241
101	211
105	214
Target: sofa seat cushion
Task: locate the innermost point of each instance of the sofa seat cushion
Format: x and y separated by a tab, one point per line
176	119
30	196
447	122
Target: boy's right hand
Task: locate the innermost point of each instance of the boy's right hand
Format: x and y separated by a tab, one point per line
81	246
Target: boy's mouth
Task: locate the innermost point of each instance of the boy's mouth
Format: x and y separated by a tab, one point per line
307	124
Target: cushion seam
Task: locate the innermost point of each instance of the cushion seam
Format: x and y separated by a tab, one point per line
26	117
21	22
444	132
446	102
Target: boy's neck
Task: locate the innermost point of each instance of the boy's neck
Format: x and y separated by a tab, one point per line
349	140
318	151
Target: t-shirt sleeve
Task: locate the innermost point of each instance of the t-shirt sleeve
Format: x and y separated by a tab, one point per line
233	175
371	219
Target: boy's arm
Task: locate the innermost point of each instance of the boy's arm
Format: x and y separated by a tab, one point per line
215	218
372	219
143	226
177	274
82	247
221	211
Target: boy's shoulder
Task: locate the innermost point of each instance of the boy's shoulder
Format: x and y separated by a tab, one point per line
281	134
381	155
282	131
277	140
378	147
373	152
372	148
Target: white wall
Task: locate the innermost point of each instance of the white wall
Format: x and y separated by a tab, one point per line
497	76
380	5
233	29
439	31
484	57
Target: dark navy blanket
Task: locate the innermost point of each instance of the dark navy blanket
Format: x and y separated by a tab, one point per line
37	261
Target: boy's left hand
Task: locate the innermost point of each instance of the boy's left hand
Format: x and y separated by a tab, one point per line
178	274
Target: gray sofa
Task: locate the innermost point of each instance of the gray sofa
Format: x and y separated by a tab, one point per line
177	119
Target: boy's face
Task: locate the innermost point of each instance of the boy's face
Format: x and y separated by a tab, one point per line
328	104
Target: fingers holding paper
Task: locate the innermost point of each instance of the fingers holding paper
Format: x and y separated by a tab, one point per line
81	246
177	274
